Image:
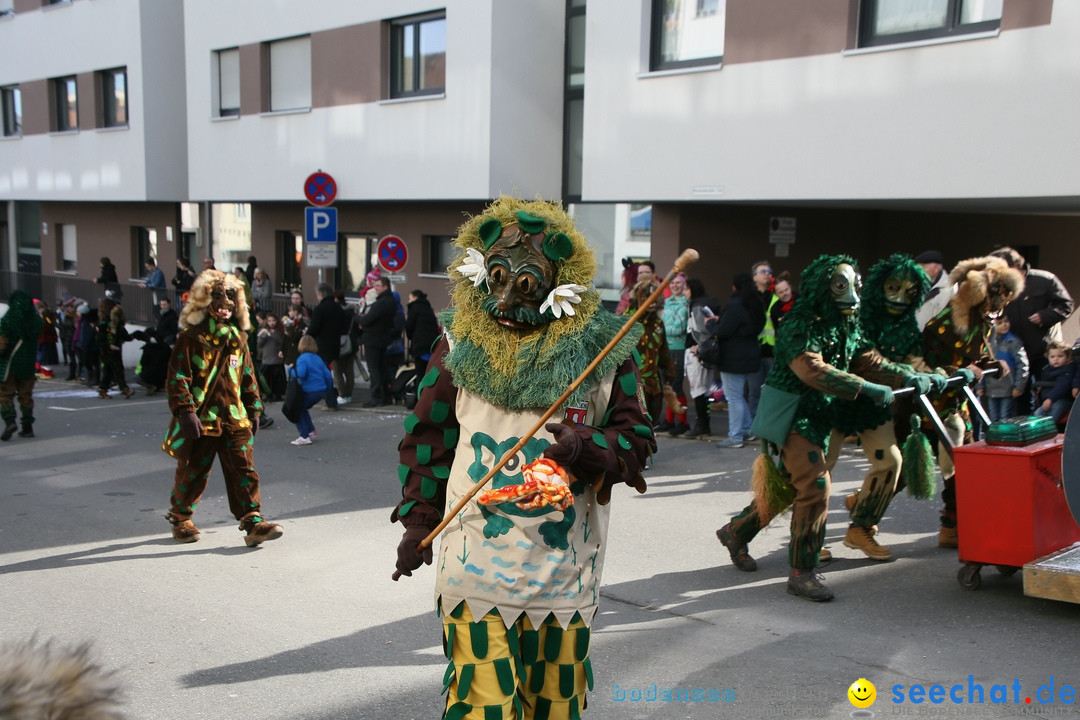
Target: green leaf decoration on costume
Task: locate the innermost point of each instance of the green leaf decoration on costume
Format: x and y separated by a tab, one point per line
623	442
448	676
450	438
478	638
599	440
234	412
442	472
628	383
439	411
530	223
588	672
212	413
198	394
530	646
643	431
490	230
457	711
428	487
212	324
410	423
558	246
581	644
405	508
234	376
566	680
198	362
505	673
423	454
177	443
403	473
429	379
553	643
465	678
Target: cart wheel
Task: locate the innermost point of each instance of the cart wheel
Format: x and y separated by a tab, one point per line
1006	570
969	577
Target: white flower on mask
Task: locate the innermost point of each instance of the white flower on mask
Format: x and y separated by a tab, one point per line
474	269
562	300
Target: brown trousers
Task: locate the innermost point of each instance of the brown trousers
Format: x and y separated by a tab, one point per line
879	484
234	449
802	464
24	389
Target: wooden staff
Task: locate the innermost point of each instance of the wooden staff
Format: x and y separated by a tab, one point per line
688	257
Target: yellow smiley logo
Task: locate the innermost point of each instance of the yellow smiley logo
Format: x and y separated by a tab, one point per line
862	693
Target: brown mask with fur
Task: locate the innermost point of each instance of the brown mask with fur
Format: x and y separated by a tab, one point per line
985	285
218	295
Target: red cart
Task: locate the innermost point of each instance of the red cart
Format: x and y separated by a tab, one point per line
1011	506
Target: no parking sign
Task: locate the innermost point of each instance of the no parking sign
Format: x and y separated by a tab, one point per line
393	254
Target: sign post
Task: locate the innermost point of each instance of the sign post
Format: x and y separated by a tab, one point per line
320	222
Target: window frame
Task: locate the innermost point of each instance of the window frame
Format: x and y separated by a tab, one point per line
432	245
11	111
656	61
398	28
270	102
63	108
953	26
110	108
220	109
64	262
144	246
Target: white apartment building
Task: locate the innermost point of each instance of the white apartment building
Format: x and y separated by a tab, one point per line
749	129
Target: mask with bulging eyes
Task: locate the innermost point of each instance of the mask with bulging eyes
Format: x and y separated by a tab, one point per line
519	278
899	293
222	301
844	286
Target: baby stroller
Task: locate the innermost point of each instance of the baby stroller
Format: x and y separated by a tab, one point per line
404	385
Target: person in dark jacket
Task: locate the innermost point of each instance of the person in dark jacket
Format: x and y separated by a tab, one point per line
422	329
185	276
327	326
737	329
1035	317
107	277
378	323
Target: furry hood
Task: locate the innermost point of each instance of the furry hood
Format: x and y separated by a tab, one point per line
984	286
200	297
53	681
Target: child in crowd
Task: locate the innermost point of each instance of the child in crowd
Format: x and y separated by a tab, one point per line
293	327
1057	382
315	380
1001	392
271	357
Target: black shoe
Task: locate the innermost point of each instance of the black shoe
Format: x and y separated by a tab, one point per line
372	403
810	585
27	431
9	431
678	429
700	429
265	422
740	555
662	426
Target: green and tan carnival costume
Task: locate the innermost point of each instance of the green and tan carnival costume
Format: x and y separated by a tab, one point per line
894	290
821	356
518	589
215	406
19	331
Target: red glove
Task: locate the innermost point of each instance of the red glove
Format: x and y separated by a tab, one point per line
410	555
190	425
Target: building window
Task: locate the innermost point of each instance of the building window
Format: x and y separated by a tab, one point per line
290	74
68	260
114	104
290	253
687	33
11	106
418	56
66	99
227	83
143	248
7	8
440	253
887	22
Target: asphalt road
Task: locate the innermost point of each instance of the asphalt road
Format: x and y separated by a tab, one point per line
311	627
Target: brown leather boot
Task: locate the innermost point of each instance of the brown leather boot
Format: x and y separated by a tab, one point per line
860	538
947	538
259	531
184	531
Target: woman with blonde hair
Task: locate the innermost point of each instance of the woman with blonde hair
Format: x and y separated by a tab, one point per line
315	380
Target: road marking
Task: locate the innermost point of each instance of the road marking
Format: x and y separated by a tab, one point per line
99	407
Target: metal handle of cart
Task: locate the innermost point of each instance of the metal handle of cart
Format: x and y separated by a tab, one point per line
931	413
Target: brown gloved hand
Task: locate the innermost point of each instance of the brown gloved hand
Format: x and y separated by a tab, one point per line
254	424
603	488
190	425
567	446
410	556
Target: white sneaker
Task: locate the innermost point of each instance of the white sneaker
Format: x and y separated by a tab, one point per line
344	400
301	441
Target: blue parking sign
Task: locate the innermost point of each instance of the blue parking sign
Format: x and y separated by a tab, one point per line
320	225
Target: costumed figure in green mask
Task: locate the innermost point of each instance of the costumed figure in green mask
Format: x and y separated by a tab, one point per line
894	290
517	585
19	331
821	356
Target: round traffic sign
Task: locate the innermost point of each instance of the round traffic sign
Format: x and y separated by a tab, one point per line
320	189
392	253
